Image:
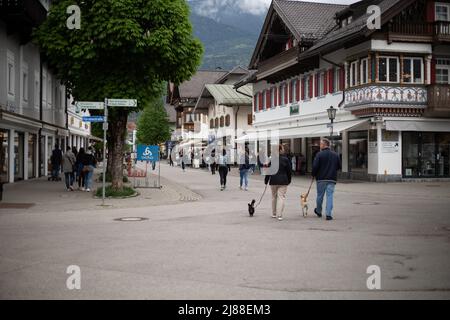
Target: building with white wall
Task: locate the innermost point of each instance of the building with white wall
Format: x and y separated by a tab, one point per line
33	102
390	85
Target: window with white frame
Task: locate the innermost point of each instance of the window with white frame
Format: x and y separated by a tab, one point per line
443	70
308	88
36	89
413	70
442	11
388	69
321	88
337	79
25	82
10	74
50	89
264	100
282	93
354	74
44	88
364	72
257	102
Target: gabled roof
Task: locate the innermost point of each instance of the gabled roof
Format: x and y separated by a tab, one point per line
193	87
239	71
358	27
226	95
305	20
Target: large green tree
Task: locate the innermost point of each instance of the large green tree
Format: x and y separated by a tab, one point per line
153	124
124	49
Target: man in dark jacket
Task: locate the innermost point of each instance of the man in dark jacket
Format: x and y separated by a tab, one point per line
279	183
56	161
325	169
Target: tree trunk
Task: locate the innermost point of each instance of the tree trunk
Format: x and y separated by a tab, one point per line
117	127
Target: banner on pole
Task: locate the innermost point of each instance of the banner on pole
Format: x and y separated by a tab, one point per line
147	153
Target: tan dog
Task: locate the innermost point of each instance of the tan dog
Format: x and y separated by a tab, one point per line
304	200
304	204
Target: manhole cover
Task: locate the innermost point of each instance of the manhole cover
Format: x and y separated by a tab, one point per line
131	219
367	203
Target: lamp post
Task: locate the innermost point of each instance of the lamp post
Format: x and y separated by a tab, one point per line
331	115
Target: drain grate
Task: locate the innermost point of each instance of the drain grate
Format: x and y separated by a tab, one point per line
16	205
367	203
131	219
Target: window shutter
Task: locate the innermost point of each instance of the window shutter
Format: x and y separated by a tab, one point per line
325	83
255	102
430	11
342	79
331	80
298	90
433	71
286	93
260	101
311	87
303	89
279	95
291	85
268	100
316	85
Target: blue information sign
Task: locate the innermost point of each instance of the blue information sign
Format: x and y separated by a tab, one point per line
94	119
147	153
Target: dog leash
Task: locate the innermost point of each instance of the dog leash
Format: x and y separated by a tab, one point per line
264	193
309	190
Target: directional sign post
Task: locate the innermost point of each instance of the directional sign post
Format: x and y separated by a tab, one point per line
124	103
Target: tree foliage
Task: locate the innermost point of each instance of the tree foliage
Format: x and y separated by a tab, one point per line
153	124
124	48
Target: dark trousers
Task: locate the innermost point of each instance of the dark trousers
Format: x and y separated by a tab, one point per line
183	166
213	168
81	178
223	172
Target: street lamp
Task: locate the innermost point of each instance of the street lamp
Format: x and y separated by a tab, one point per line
331	115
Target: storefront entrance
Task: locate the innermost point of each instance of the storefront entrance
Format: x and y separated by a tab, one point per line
426	155
4	162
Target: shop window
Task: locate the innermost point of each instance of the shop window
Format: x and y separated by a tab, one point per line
358	145
413	70
19	156
4	155
32	141
388	69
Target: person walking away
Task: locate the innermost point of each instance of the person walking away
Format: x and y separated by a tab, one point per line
69	161
183	165
170	159
89	163
325	169
56	161
214	164
224	168
244	169
279	183
79	169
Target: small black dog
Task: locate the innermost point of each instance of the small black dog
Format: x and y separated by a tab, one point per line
251	208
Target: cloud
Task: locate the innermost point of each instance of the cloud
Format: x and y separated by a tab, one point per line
257	7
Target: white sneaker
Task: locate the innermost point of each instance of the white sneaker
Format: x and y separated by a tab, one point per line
88	190
280	218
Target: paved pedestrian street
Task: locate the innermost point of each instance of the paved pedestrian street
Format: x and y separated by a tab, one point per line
199	243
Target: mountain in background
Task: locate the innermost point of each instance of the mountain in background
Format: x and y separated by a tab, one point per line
228	34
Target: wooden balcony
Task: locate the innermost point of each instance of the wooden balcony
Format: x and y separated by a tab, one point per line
418	32
438	101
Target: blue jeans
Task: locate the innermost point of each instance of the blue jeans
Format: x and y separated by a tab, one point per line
244	177
55	171
88	178
69	179
328	188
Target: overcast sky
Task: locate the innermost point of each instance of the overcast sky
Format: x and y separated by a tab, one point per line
254	6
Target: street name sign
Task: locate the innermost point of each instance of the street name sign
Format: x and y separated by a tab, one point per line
90	105
147	153
94	119
128	103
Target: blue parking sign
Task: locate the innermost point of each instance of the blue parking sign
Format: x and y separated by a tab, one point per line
147	153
